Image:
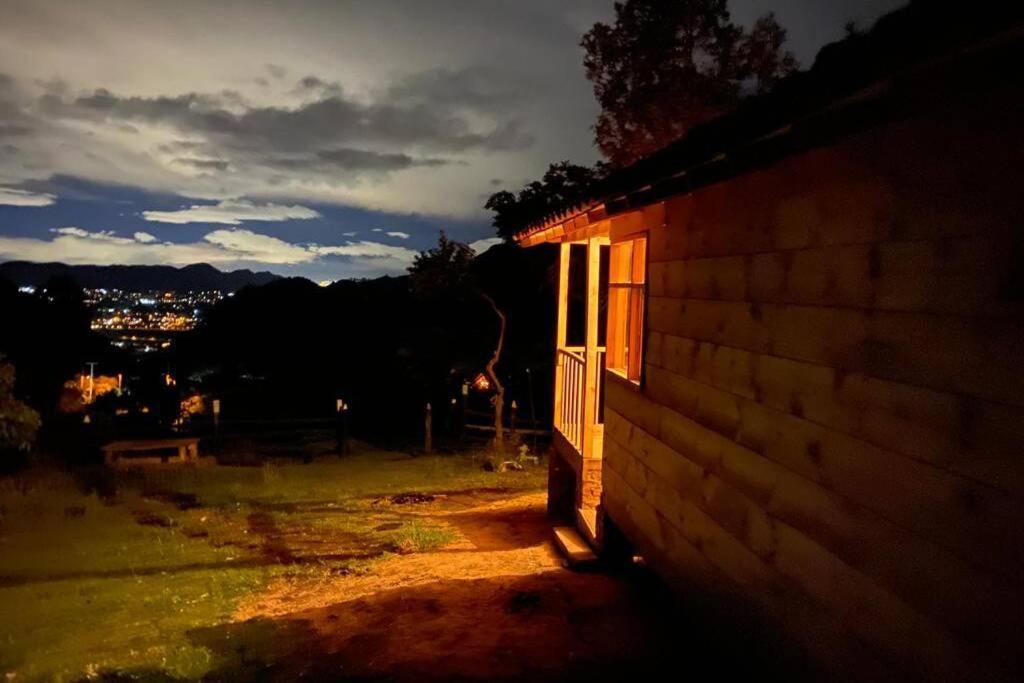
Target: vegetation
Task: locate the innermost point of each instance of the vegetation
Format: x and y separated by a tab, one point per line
445	272
147	576
48	340
663	67
417	537
564	184
668	65
18	422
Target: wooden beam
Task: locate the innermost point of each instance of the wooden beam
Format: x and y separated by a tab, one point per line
590	407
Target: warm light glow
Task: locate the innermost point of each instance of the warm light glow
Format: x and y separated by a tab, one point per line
481	383
627	276
101	384
192	405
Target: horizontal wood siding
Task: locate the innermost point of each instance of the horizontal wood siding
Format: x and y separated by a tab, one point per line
831	419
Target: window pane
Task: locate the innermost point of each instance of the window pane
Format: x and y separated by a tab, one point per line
638	268
618	315
621	262
634	351
626	290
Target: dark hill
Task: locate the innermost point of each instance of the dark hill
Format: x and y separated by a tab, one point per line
136	278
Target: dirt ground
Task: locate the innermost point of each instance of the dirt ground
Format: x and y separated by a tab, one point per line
496	605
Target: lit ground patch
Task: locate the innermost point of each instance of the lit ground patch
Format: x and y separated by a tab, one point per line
505	538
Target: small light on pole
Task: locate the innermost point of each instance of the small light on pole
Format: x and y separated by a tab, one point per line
341	426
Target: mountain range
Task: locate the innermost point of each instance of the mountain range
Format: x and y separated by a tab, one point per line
198	276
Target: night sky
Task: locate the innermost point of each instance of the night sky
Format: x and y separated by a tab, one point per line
327	139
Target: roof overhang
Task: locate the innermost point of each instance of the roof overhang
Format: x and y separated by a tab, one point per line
599	220
573	226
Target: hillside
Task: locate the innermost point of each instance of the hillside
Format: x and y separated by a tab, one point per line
199	276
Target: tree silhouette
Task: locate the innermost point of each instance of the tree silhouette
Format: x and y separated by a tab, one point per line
661	68
667	65
445	273
564	184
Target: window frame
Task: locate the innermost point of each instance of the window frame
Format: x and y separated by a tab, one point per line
631	332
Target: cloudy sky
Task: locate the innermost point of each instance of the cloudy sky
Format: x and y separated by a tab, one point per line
323	138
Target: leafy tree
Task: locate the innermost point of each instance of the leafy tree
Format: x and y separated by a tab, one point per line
666	65
445	272
18	422
661	68
564	184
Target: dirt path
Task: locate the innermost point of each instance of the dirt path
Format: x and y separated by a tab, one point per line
494	605
507	538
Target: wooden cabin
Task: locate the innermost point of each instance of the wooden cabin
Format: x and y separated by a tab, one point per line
807	403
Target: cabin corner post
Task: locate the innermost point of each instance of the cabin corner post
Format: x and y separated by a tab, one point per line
589	475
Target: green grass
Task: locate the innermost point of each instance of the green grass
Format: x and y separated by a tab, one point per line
85	587
420	537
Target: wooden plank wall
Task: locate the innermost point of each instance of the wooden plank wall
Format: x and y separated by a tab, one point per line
831	422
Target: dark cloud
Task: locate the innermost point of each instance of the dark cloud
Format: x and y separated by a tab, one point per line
204	164
373	161
180	146
355	161
11	130
14	121
428	100
311	85
332	119
479	88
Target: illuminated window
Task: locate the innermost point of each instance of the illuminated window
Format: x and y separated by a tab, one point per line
626	291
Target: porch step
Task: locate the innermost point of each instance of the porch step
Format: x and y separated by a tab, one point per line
573	547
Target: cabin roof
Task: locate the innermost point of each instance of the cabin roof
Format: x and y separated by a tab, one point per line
854	83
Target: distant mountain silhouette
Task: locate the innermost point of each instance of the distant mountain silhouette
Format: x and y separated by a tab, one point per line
136	278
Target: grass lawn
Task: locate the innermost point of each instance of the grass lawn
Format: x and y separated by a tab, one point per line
91	583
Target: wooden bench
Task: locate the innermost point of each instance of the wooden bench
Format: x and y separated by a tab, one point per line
187	448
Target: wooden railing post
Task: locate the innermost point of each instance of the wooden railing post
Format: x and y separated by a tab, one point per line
562	295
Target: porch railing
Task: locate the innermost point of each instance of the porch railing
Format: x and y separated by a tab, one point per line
572	381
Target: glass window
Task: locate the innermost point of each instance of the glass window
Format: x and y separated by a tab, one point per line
626	292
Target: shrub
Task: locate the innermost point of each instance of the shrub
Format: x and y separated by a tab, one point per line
18	422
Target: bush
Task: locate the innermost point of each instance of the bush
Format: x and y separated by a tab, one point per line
18	422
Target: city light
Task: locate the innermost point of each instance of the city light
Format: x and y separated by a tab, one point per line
117	312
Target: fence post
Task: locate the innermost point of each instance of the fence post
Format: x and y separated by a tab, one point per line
453	406
533	408
216	421
462	412
428	445
341	425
